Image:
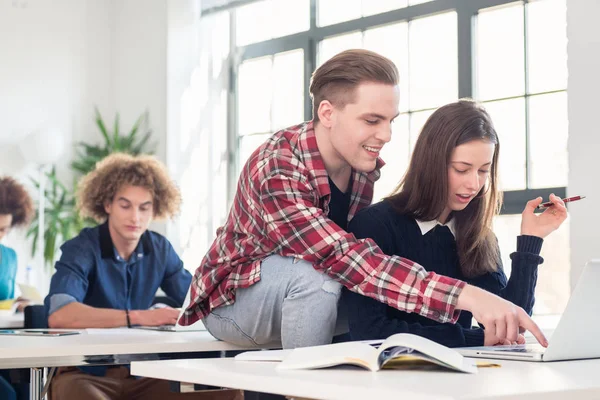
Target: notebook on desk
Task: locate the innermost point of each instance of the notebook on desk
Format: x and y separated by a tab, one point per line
30	293
575	336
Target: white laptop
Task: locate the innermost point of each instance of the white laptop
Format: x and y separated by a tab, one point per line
576	335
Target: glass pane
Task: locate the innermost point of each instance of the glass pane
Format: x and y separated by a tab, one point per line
417	120
252	23
288	94
391	41
333	45
433	61
508	117
413	2
500	53
269	19
547	46
552	291
370	7
247	146
254	95
395	154
331	12
289	16
548	134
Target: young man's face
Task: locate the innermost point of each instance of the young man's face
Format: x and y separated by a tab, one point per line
5	224
360	129
130	212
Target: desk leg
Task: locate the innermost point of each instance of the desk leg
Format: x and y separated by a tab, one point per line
36	383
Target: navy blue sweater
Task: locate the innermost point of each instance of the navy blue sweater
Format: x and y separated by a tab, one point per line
400	235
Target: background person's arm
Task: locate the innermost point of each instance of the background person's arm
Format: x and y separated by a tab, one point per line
79	316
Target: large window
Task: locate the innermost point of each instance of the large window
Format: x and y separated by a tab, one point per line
511	55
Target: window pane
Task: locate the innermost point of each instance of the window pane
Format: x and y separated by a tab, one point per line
247	146
509	120
413	2
395	154
500	53
547	46
269	19
548	133
370	7
331	12
552	291
331	46
254	95
433	61
288	93
290	16
391	41
417	120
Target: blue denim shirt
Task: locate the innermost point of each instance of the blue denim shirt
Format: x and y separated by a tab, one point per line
91	272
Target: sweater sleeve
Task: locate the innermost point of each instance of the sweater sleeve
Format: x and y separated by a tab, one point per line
520	288
368	319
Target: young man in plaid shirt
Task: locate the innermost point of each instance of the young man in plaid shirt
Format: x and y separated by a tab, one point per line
277	266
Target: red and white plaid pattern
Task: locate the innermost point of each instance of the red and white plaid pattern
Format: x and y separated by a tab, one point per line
281	207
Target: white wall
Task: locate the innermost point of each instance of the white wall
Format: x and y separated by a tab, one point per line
54	66
583	49
60	58
139	64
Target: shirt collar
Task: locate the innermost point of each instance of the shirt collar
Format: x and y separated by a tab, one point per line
426	226
107	248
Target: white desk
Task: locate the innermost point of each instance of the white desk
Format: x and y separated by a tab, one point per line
35	351
514	380
99	347
9	320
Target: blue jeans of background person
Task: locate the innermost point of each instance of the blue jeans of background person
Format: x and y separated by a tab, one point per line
292	303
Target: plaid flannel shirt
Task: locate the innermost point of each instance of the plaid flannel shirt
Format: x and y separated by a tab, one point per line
281	207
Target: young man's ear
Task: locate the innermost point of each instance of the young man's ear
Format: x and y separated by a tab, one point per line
107	206
325	112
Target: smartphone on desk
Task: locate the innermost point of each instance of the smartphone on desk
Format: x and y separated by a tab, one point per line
37	332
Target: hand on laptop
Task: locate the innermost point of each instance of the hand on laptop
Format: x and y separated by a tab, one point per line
160	316
492	340
501	318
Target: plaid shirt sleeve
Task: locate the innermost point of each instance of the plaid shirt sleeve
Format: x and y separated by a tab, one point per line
300	227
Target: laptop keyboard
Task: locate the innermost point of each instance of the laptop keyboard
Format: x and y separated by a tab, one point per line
521	348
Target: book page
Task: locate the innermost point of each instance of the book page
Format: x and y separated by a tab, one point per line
349	353
404	344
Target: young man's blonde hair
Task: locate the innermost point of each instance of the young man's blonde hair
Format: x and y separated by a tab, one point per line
117	170
337	79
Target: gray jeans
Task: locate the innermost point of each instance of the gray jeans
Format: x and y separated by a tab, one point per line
292	303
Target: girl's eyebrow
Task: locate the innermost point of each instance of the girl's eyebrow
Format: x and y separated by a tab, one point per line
469	164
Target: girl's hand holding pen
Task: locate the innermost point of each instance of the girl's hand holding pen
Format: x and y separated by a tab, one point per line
541	225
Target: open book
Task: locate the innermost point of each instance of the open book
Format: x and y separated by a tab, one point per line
400	351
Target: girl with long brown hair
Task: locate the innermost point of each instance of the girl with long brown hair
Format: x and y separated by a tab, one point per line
440	216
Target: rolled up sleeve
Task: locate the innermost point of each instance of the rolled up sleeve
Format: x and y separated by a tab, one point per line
70	281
